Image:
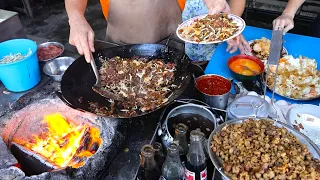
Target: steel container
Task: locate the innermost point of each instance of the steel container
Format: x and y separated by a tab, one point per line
312	147
188	110
51	43
215	101
56	68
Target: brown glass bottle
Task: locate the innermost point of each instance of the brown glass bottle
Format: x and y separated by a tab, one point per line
150	169
158	154
180	139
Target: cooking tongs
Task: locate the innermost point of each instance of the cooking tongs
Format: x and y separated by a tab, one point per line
97	86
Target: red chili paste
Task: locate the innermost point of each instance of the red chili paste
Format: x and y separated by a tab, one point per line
48	52
213	85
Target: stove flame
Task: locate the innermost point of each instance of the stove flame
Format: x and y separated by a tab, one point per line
63	143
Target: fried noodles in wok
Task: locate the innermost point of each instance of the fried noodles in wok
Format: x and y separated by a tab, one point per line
142	83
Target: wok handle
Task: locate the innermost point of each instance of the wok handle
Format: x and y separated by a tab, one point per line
196	71
59	94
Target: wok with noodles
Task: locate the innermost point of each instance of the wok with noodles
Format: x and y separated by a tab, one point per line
142	84
145	76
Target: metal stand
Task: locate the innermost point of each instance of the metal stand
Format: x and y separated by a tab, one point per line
27	8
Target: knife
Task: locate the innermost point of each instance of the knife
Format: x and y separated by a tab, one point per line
275	47
274	57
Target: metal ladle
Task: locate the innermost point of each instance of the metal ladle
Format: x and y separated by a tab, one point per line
97	86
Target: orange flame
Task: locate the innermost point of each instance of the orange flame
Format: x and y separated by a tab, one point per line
65	144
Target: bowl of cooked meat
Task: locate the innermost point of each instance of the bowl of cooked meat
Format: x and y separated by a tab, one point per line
261	49
244	67
49	51
263	149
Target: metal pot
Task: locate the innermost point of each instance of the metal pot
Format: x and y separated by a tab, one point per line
215	101
193	115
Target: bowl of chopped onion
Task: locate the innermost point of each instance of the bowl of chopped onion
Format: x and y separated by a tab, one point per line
19	67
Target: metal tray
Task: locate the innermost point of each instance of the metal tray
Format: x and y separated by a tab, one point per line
313	149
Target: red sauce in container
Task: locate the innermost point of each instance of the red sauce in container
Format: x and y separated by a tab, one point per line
213	85
48	52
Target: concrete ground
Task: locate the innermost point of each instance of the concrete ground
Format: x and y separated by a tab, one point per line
53	24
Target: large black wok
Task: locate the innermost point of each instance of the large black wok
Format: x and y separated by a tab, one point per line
77	81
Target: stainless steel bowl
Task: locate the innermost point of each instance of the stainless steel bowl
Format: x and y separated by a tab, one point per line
313	149
56	68
53	43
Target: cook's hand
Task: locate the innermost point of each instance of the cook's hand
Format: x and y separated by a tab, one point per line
82	36
217	6
285	22
238	42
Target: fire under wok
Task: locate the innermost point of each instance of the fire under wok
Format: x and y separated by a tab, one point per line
77	81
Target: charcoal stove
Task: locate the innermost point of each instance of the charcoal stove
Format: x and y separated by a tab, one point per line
23	120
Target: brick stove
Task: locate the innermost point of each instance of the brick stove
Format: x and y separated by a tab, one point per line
25	119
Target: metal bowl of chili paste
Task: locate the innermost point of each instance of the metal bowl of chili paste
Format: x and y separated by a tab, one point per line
49	51
214	89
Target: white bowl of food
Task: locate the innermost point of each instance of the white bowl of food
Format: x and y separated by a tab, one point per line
261	47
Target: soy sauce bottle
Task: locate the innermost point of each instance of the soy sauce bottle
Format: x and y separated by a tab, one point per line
196	167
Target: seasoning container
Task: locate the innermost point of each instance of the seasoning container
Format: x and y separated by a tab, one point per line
248	106
214	90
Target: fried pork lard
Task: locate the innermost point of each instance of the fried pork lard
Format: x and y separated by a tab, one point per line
256	149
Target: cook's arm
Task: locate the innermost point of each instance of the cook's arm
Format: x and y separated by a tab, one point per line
81	34
237	7
217	6
285	21
292	7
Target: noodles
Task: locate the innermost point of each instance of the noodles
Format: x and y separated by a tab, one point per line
211	28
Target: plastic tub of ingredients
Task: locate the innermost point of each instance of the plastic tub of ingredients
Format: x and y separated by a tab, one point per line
19	67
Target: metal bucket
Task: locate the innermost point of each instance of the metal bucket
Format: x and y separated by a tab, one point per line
215	101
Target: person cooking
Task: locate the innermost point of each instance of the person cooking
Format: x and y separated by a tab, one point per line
130	21
285	21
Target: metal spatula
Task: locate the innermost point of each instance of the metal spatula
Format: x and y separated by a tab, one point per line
98	88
